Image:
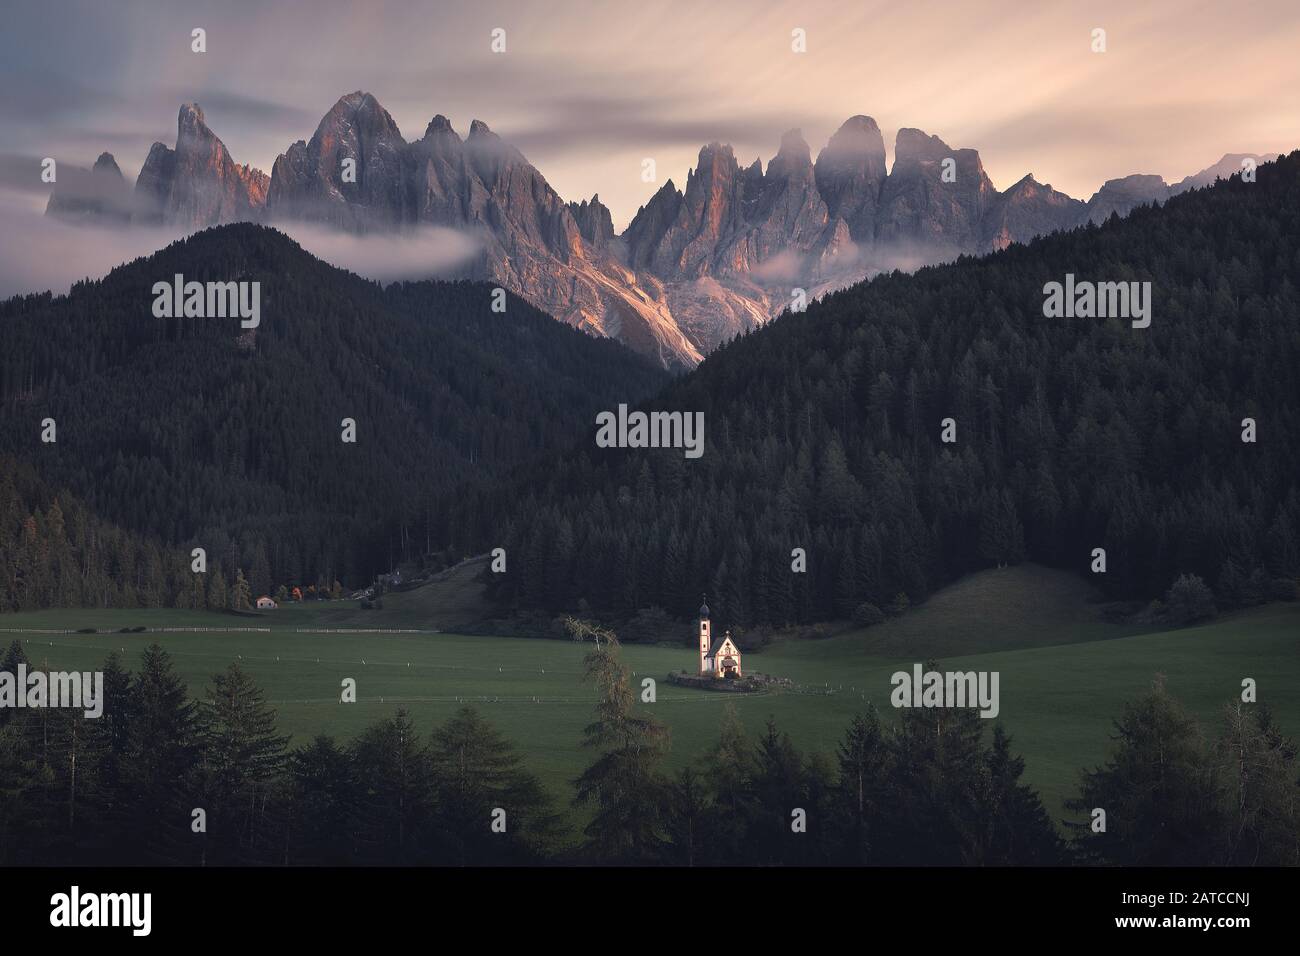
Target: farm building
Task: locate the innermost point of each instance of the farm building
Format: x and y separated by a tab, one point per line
265	603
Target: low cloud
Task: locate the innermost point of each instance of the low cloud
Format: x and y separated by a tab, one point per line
40	253
424	253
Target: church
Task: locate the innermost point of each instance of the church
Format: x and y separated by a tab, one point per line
719	658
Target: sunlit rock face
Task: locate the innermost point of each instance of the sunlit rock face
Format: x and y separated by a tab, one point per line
197	184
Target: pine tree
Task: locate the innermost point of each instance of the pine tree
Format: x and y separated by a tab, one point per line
687	821
780	787
476	772
161	755
858	798
395	792
109	736
1017	830
240	595
1157	789
1257	770
322	804
217	593
623	785
729	773
21	831
14	655
242	754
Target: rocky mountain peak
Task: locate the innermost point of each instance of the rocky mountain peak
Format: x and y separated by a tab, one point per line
1026	185
1027	210
439	124
850	171
190	117
794	155
106	164
1227	167
1121	196
358	110
916	145
98	194
479	130
197	184
594	221
856	134
934	198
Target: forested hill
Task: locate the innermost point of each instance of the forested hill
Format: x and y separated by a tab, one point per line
823	432
195	431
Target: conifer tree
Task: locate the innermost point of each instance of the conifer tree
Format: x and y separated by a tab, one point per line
394	794
322	804
240	594
1257	771
162	753
623	785
729	773
477	772
687	822
858	797
217	593
241	755
1157	789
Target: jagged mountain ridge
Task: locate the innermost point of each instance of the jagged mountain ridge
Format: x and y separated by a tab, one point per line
695	266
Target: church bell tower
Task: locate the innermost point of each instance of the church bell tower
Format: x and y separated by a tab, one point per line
706	639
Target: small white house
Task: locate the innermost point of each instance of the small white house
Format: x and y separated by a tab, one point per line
264	603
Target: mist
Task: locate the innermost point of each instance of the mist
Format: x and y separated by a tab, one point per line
40	253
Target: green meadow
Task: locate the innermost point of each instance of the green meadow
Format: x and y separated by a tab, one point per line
1064	672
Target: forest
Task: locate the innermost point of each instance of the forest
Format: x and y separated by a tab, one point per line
825	431
195	433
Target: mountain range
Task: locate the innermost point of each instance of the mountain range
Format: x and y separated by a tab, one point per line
695	266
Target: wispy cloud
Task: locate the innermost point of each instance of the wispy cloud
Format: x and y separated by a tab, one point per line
587	90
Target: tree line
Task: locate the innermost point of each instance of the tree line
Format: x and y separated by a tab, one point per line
162	778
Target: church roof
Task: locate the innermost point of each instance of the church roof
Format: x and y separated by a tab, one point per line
718	642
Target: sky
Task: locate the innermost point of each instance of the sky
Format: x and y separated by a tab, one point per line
589	90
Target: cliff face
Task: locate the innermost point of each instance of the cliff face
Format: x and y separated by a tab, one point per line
353	173
850	174
1026	210
197	184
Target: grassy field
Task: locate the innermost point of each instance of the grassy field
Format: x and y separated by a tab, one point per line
1065	673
